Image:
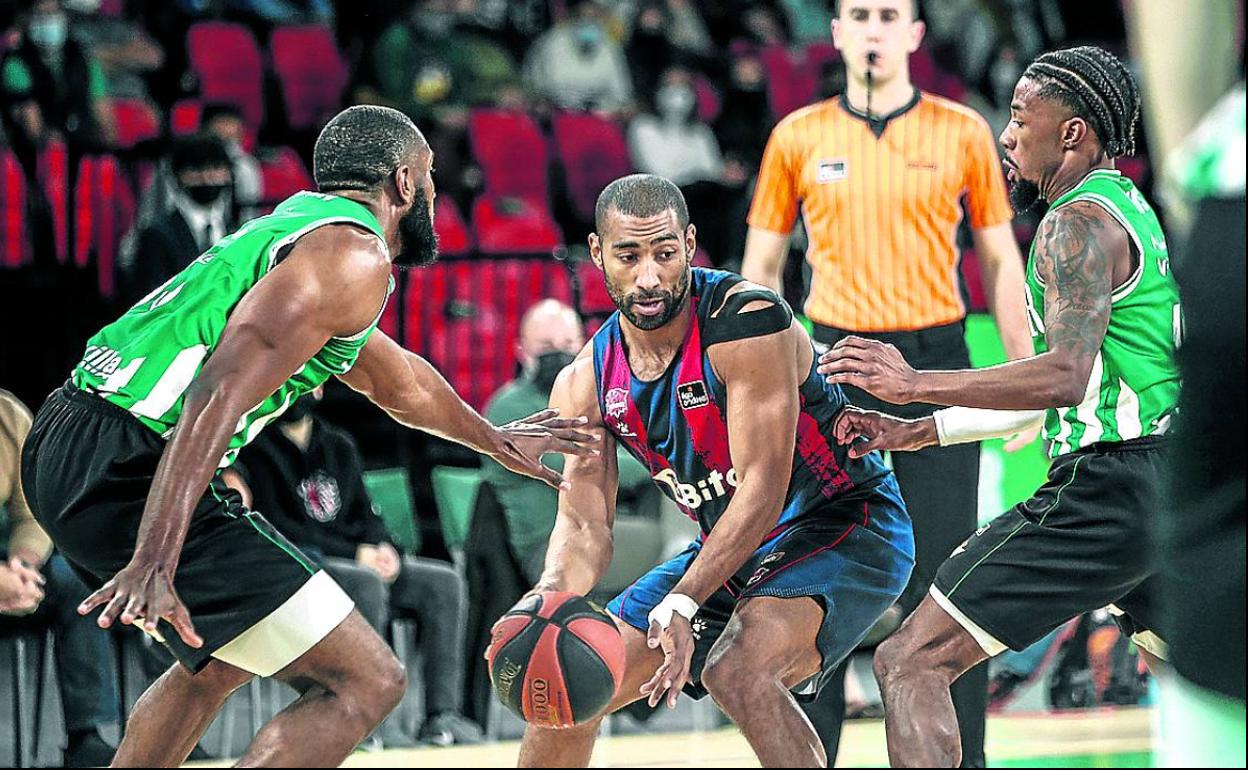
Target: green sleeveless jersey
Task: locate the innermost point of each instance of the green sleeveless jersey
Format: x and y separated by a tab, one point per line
145	360
1133	390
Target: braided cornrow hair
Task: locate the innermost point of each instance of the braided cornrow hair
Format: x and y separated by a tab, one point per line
1098	87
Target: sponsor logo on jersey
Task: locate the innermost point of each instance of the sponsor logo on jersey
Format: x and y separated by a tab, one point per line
831	170
692	395
773	556
616	400
691	496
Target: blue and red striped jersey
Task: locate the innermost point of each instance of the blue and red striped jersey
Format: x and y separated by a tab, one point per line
677	424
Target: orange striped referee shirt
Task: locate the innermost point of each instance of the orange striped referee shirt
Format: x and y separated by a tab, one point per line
882	212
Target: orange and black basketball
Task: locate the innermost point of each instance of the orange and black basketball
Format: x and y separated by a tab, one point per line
556	660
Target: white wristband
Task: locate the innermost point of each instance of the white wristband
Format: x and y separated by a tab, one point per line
962	424
673	604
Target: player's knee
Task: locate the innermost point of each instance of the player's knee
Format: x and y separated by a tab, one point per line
387	684
732	673
215	682
893	657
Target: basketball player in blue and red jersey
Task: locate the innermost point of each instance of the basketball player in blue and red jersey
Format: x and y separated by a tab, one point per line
710	383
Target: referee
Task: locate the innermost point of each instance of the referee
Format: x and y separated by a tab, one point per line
880	174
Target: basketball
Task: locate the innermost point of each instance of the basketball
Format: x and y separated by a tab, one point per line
556	659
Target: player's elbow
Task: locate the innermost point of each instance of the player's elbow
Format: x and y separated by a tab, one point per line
1069	383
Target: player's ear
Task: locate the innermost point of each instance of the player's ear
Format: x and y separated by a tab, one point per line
1073	132
405	184
691	241
595	249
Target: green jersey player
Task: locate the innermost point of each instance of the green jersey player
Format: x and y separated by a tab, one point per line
121	464
1104	311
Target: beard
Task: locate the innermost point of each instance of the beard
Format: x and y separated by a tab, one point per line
672	303
1024	195
418	240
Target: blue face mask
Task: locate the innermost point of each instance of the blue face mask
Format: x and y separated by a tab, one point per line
49	32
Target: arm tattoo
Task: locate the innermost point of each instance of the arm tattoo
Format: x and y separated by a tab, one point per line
1075	259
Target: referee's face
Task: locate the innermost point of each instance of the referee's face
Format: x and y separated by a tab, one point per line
646	263
886	28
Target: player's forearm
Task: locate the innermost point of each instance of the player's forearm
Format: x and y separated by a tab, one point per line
426	401
577	557
753	512
1047	381
186	467
1004	290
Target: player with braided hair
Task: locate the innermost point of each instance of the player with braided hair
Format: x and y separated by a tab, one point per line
1104	312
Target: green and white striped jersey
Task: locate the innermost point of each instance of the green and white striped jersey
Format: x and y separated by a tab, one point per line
145	361
1133	390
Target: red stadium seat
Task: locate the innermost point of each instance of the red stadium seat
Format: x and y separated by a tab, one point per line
593	152
789	84
709	101
14	246
453	236
972	275
137	121
819	54
104	210
53	174
185	116
283	174
1133	167
928	76
595	301
311	73
511	151
514	226
227	61
464	316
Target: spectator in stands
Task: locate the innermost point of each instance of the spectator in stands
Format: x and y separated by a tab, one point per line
434	68
32	584
124	49
744	120
175	230
225	122
665	33
430	65
307	479
511	524
53	86
269	12
671	142
809	20
576	65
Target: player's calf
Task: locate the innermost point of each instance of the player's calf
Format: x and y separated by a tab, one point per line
915	668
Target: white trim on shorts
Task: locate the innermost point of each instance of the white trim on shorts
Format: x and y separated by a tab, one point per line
1146	639
292	629
986	641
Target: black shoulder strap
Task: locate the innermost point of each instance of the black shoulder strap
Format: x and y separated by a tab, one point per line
728	323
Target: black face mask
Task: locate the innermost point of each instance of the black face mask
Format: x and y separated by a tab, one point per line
206	194
419	240
297	411
547	368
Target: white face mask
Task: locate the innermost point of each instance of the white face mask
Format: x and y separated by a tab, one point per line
81	6
49	32
675	102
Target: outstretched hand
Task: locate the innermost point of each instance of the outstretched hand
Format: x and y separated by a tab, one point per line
524	441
